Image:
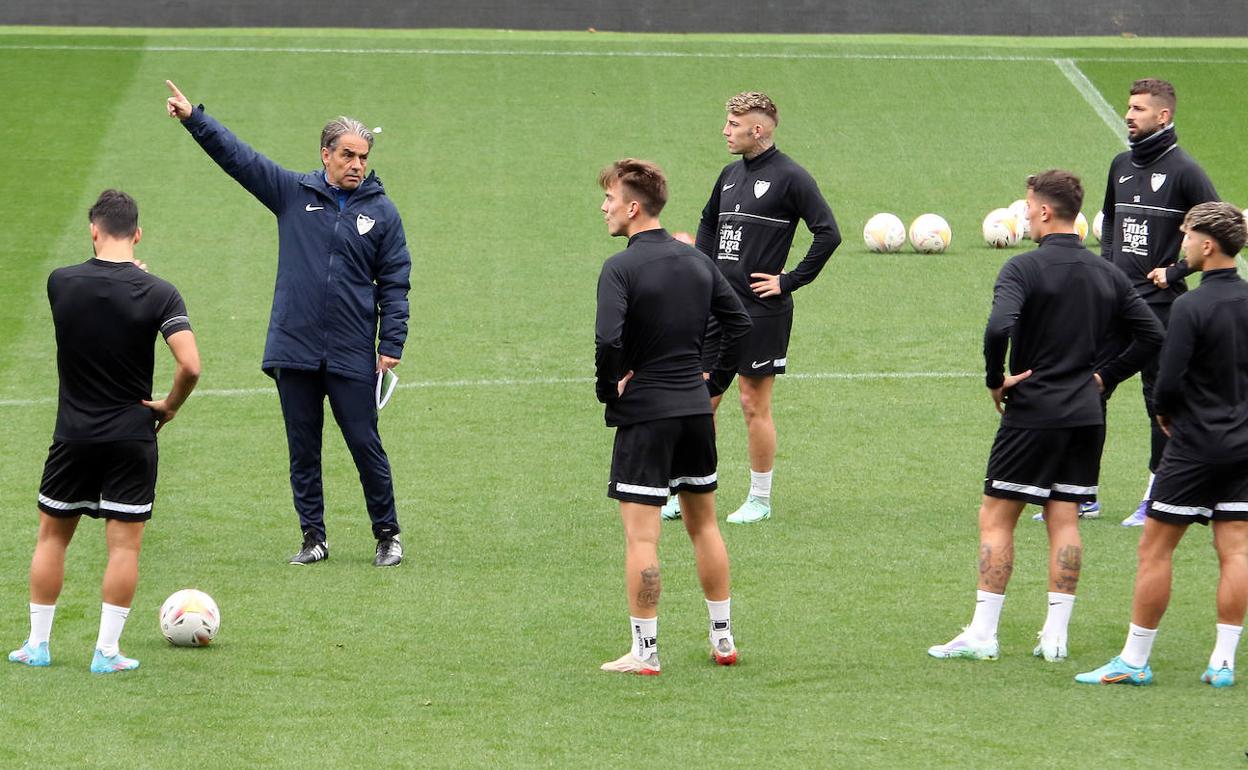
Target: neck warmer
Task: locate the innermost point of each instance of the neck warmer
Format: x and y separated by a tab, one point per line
1147	150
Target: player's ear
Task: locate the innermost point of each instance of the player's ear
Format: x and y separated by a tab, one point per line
325	153
138	234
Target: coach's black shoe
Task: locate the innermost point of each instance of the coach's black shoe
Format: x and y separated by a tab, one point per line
389	552
313	550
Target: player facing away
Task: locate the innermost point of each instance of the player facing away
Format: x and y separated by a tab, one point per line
654	299
102	462
340	310
1150	187
1054	307
748	226
1203	475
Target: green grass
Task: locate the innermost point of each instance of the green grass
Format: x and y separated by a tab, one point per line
482	650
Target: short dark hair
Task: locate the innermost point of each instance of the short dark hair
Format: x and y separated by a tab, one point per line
115	213
1223	222
1158	88
644	180
1060	189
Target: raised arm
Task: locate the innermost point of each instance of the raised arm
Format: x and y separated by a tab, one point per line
261	177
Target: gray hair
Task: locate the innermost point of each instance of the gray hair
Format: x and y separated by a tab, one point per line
341	126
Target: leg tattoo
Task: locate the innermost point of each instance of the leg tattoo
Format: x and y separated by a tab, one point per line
1069	563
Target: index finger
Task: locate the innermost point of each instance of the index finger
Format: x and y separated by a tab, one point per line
174	89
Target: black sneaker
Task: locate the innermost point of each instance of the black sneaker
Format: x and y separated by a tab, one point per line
389	552
313	550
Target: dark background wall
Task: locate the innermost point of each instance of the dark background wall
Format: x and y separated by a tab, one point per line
970	17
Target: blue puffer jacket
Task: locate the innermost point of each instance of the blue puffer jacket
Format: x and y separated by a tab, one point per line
338	272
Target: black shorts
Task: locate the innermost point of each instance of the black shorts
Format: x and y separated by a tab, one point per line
765	350
1042	464
653	459
1191	491
108	480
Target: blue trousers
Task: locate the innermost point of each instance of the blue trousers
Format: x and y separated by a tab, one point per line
303	396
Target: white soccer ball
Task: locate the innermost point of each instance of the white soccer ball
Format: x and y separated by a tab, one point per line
1098	222
884	233
1001	229
1019	209
189	618
1081	227
930	234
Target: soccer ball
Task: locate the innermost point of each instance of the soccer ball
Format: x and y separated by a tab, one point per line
1019	209
1081	227
884	233
1098	222
189	618
1001	229
930	234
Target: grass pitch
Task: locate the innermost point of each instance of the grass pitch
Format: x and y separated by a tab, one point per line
482	650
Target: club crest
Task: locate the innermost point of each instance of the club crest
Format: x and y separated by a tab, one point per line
364	223
761	188
1157	181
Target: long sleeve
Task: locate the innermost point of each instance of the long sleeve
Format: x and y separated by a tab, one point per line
734	324
260	176
1147	335
609	333
393	282
708	225
1176	354
1108	211
1008	297
817	214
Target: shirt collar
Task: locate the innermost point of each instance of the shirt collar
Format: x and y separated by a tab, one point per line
650	236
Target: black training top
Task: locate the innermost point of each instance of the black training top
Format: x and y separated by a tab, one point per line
1202	384
1055	307
654	299
1144	207
107	315
749	222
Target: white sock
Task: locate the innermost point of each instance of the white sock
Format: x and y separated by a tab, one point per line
1060	607
41	622
112	621
760	484
1148	493
987	614
1139	645
645	636
1224	649
721	619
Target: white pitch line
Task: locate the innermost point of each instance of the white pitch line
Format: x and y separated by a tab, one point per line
536	382
1093	97
606	53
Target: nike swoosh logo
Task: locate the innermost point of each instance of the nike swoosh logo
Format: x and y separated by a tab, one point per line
1054	604
1122	179
727	187
758	364
310	207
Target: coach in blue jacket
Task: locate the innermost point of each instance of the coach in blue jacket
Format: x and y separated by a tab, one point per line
339	313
